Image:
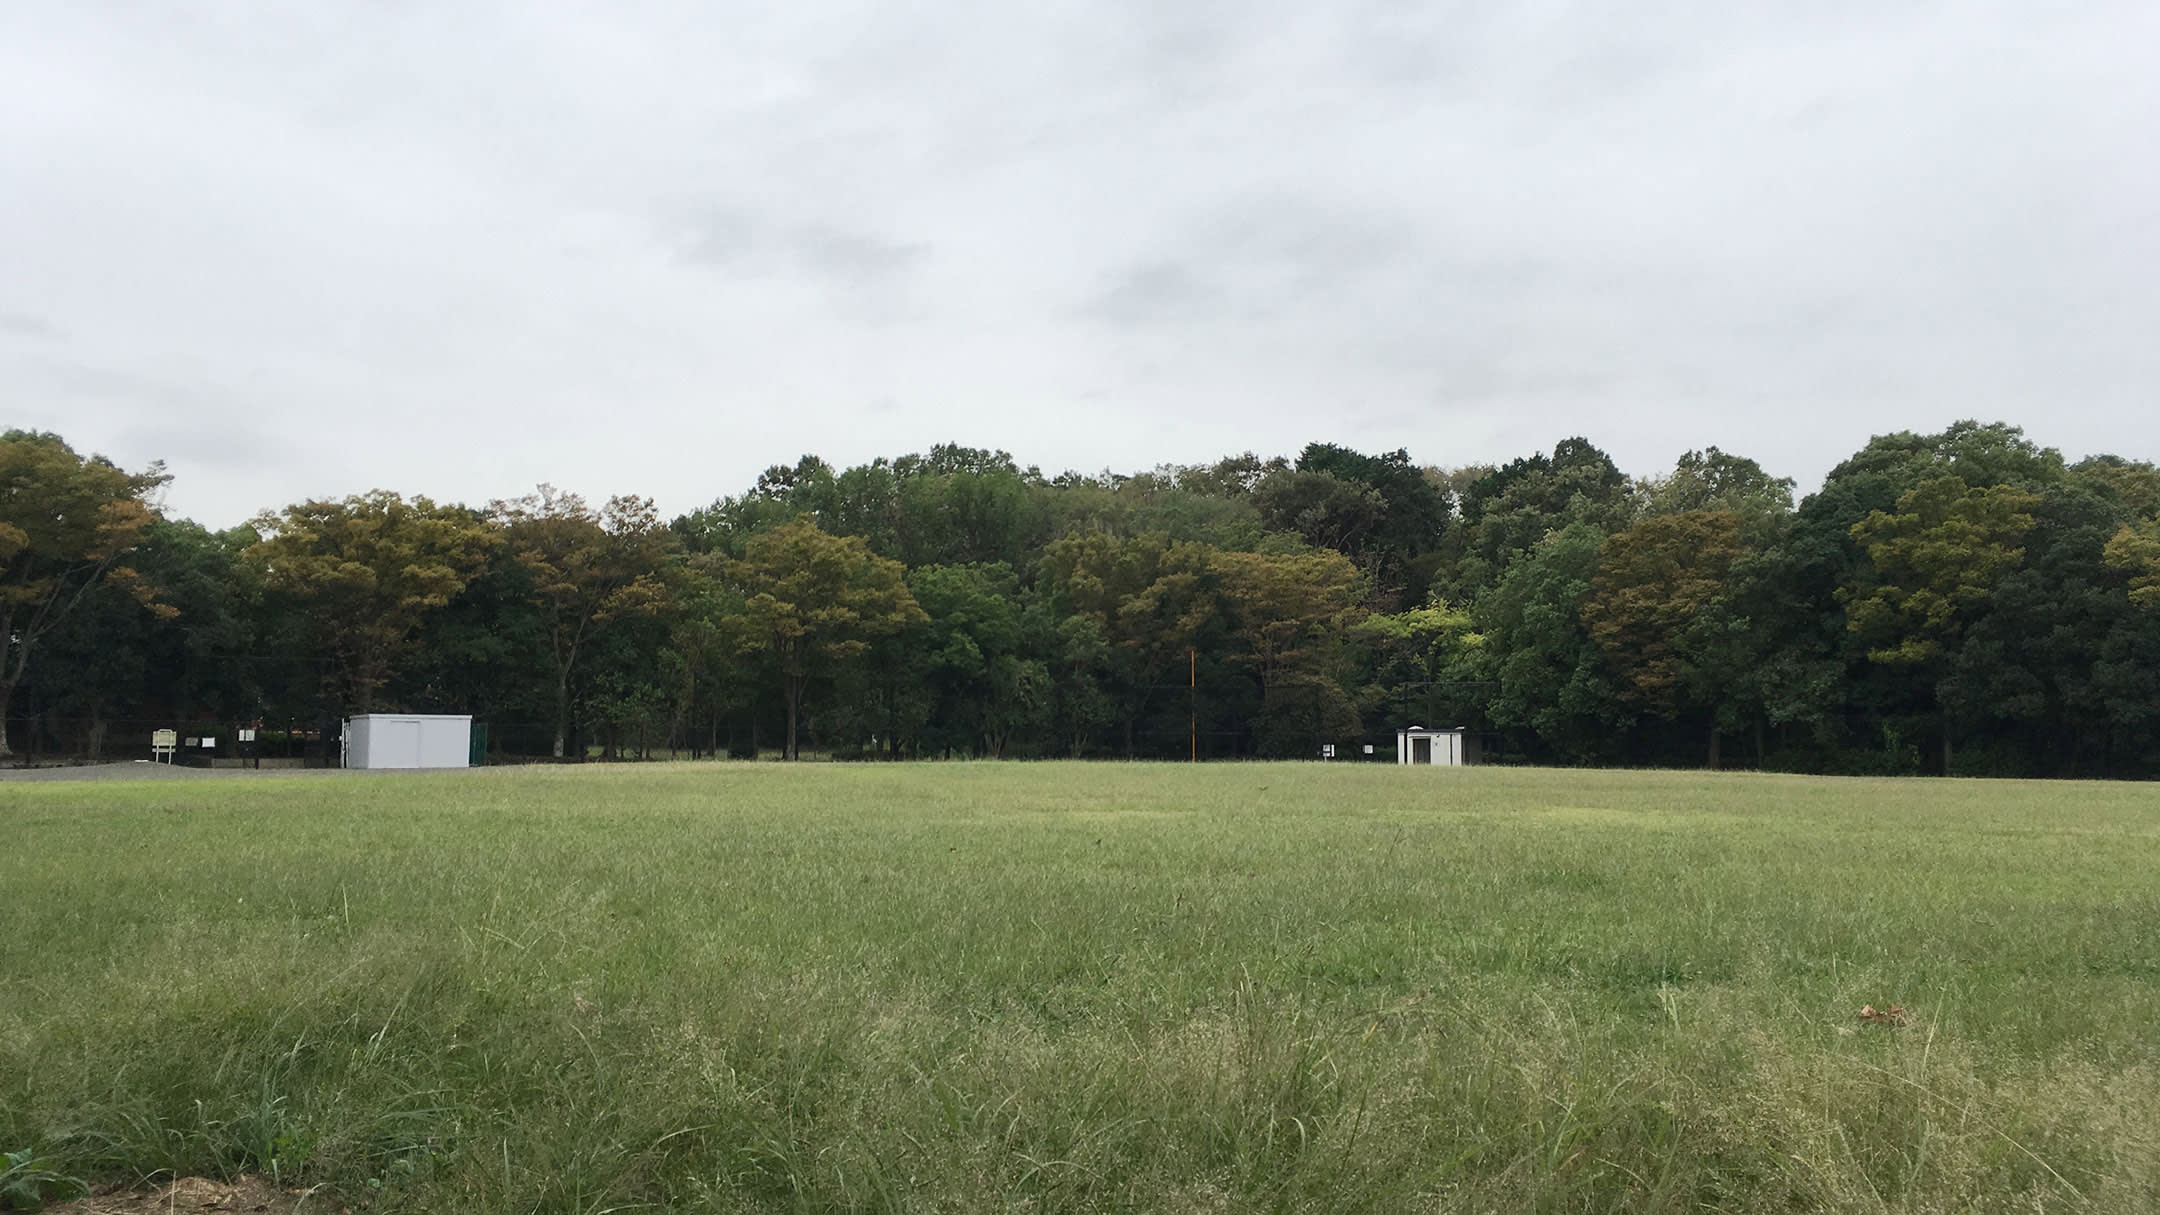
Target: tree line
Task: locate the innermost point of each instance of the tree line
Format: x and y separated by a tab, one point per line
1961	602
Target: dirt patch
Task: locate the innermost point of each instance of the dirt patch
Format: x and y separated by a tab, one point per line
194	1196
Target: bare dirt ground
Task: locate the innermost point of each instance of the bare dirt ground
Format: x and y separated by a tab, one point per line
196	1196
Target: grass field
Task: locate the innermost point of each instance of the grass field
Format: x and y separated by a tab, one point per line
1064	987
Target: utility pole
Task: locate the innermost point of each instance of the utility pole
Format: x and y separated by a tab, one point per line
1192	694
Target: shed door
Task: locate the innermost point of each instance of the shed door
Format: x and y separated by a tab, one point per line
1421	750
399	745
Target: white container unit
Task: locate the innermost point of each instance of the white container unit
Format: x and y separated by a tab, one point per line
1444	748
408	740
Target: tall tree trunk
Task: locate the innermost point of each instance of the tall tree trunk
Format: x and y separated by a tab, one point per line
369	671
794	701
9	676
562	711
1713	761
7	695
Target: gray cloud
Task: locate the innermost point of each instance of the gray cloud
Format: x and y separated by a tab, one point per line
460	249
1257	260
27	325
738	242
851	255
1158	293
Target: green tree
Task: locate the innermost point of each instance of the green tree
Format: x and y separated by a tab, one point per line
1292	612
1660	610
629	684
2133	485
1082	700
2021	678
65	523
1547	674
701	608
1932	564
1181	503
484	653
588	567
1712	480
1231	477
1810	666
813	600
963	505
368	570
1422	663
1151	601
1324	510
192	661
1414	511
1508	511
782	494
989	673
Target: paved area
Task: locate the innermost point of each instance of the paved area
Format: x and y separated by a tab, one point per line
144	770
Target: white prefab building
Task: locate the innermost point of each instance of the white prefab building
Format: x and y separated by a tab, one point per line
1418	745
408	740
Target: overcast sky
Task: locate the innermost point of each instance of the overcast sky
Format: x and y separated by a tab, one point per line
456	248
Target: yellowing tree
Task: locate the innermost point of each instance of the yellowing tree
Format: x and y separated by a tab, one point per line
1654	585
588	567
65	522
1293	611
1657	610
2135	550
1935	559
369	569
812	600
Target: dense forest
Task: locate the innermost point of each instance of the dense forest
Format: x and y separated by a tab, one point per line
1964	602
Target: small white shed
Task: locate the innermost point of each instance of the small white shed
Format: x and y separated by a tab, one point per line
1418	745
408	740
